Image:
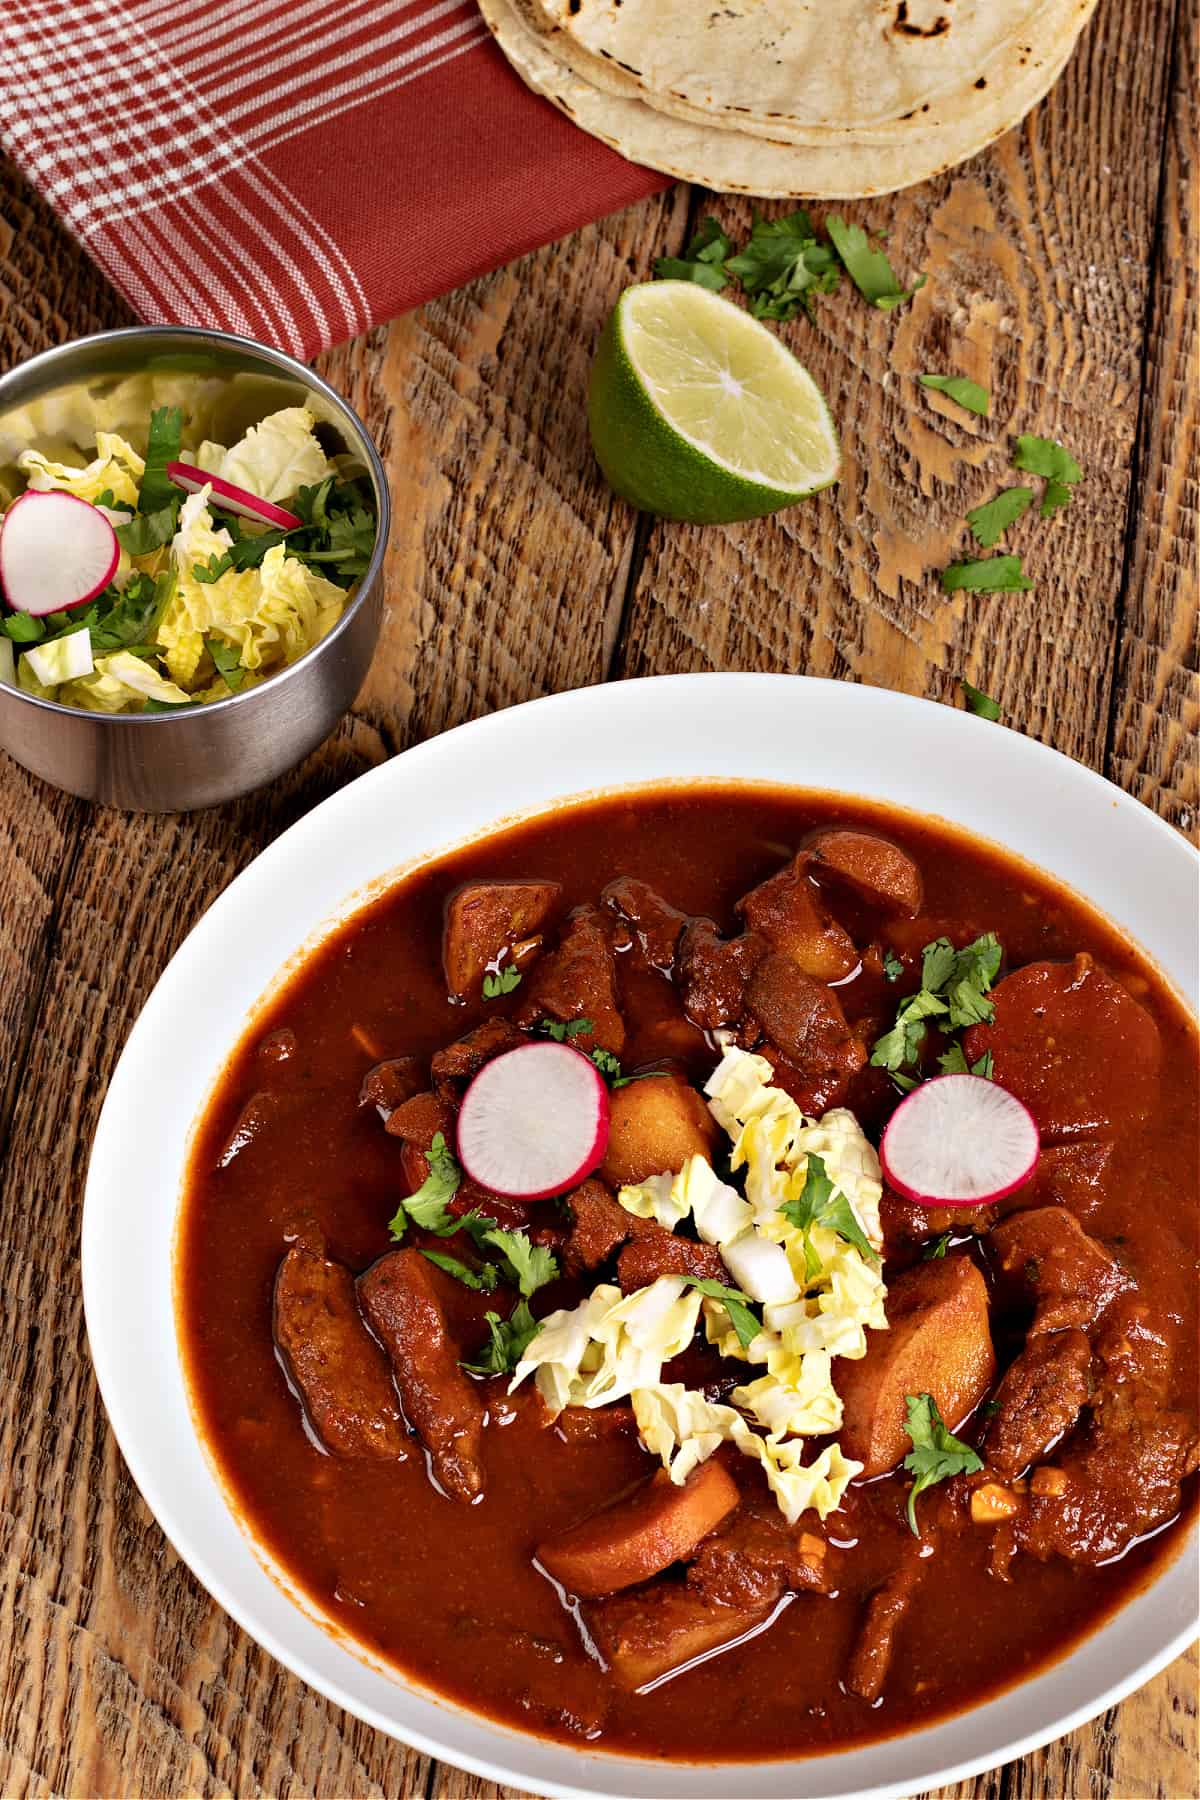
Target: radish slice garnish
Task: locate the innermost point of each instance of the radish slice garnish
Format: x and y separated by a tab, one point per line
534	1122
234	499
959	1140
56	551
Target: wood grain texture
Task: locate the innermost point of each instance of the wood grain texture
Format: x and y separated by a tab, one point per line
512	573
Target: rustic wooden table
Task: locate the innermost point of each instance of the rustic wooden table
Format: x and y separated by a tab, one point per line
1062	274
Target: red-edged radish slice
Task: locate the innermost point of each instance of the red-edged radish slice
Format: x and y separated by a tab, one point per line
234	499
534	1122
959	1140
56	551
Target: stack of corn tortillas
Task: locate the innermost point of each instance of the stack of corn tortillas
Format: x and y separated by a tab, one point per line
831	99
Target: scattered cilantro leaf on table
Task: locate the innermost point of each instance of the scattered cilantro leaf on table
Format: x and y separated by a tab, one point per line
868	269
987	575
820	1203
981	704
508	1342
784	267
744	1321
959	388
702	262
990	521
936	1453
1045	457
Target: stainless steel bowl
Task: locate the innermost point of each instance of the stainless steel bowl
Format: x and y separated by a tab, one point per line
164	762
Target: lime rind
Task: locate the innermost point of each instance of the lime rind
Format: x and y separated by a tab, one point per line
699	413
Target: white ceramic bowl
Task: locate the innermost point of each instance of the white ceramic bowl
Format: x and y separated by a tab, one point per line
818	734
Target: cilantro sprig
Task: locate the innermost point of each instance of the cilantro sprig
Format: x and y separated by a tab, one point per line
500	981
961	389
427	1207
784	267
936	1453
986	575
954	990
508	1341
745	1322
1045	457
990	521
869	269
821	1203
702	262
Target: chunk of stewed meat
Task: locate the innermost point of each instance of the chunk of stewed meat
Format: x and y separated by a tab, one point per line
1071	1043
908	1225
655	1124
711	973
874	870
389	1084
757	1557
599	1226
649	1632
1119	1478
484	920
1038	1400
578	980
937	1342
422	1118
659	1252
875	1645
462	1060
1045	1256
399	1295
656	924
1070	1175
788	911
640	1534
333	1362
804	1022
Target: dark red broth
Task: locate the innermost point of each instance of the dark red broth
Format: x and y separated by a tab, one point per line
449	1592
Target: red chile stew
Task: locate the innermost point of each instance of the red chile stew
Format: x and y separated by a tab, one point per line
1056	1330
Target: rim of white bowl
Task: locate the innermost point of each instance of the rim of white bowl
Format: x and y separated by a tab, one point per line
691	715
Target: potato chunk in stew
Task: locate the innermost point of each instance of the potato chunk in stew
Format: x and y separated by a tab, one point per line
655	1124
937	1342
649	1632
789	912
642	1533
875	871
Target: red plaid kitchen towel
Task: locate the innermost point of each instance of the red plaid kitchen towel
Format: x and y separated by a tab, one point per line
294	170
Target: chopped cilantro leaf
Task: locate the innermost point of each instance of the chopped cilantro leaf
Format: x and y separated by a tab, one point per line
23	628
959	388
954	989
981	704
868	269
501	981
530	1265
820	1203
482	1280
149	531
936	1453
986	575
1045	457
563	1033
227	662
214	568
1055	494
935	1251
954	1062
509	1340
900	1047
990	521
157	490
427	1207
702	262
893	968
608	1065
784	267
745	1322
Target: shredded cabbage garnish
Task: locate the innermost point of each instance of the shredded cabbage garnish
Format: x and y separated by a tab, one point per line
274	458
116	468
819	1295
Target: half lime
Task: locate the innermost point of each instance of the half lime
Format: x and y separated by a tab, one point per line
698	412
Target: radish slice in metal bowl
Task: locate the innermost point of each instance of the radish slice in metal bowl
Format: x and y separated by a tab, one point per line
234	499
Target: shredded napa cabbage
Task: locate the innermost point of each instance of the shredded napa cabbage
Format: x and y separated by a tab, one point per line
274	458
116	467
610	1344
121	683
271	614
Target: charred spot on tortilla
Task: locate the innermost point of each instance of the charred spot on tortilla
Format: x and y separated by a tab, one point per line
904	24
